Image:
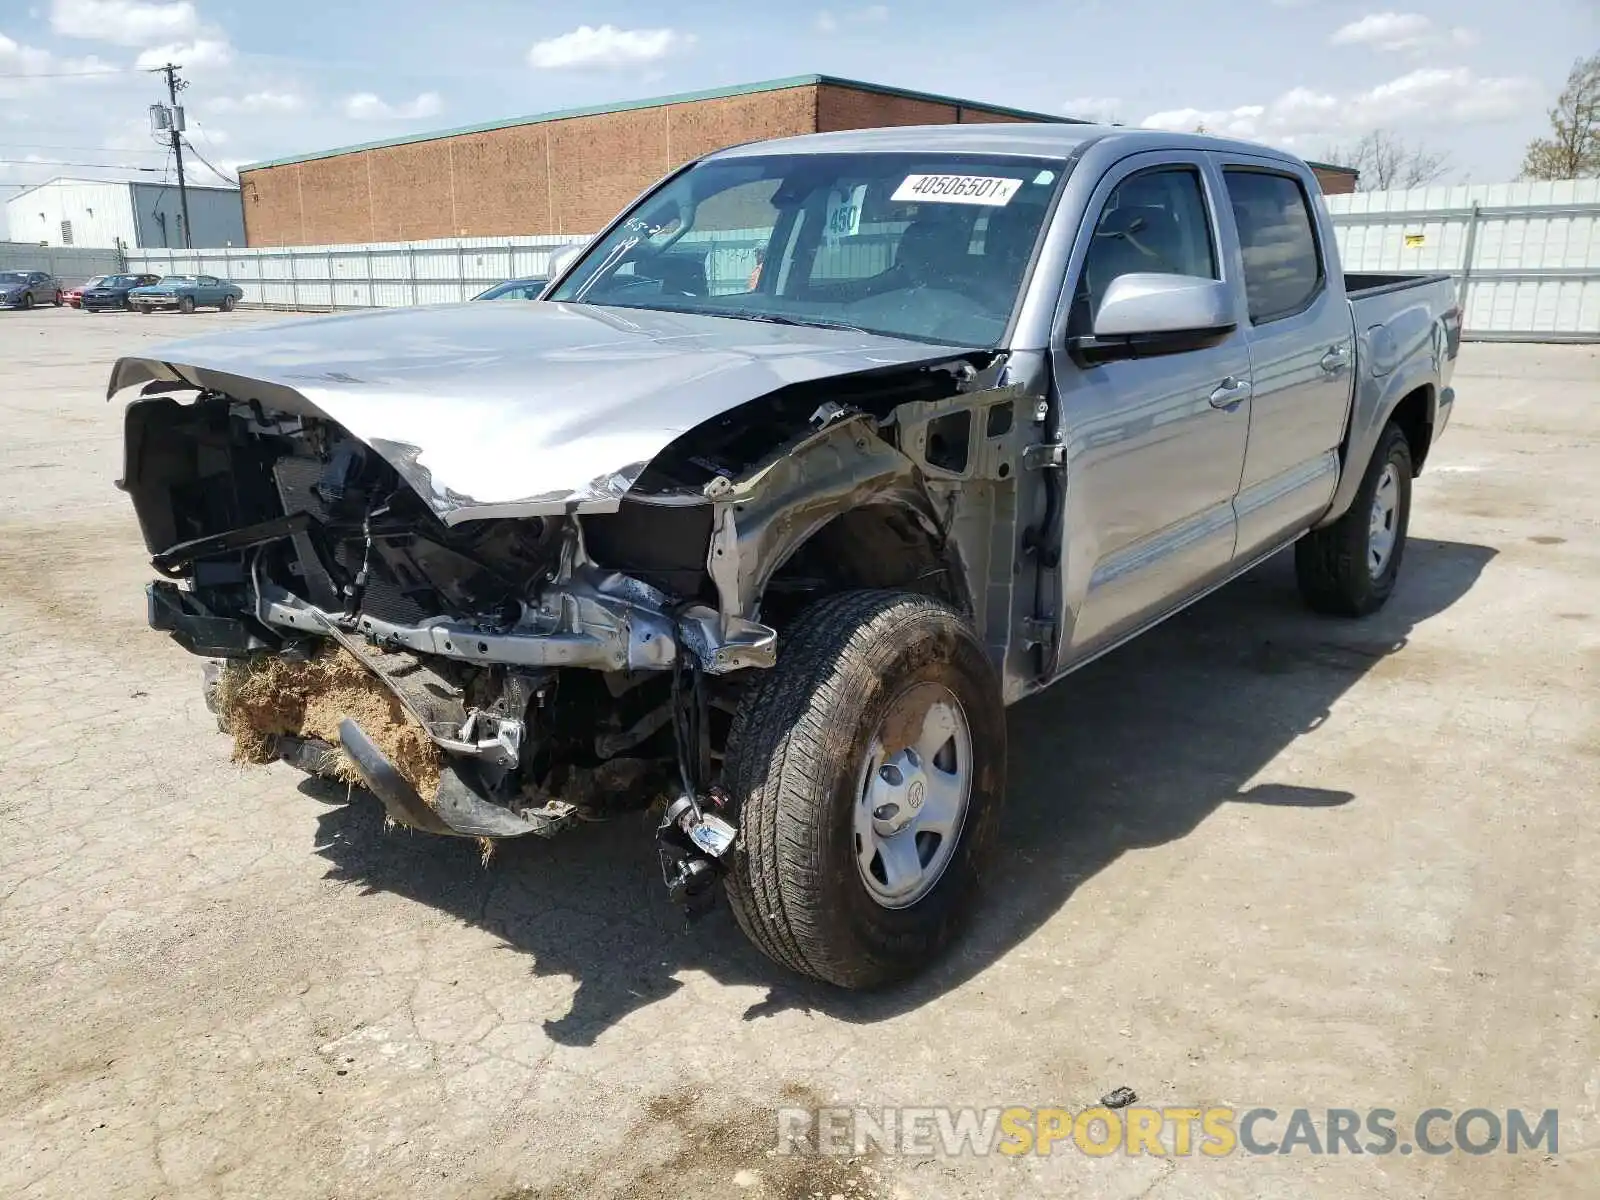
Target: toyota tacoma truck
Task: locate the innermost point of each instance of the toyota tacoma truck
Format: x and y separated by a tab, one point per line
823	452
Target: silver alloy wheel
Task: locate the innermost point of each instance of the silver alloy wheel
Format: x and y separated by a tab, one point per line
912	795
1381	526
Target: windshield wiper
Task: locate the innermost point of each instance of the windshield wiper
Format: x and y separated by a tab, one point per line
780	319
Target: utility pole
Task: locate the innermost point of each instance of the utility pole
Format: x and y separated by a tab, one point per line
174	86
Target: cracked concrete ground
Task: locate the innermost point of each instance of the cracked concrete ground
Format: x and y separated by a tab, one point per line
1256	858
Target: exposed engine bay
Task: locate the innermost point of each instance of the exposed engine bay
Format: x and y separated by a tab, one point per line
546	668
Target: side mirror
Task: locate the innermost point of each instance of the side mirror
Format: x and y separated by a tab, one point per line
1143	315
562	258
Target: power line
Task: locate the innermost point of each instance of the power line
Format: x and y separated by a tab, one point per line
33	183
219	174
59	162
59	146
70	74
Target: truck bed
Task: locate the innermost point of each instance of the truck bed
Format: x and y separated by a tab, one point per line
1359	285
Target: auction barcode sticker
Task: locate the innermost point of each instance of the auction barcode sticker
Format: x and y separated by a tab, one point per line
957	189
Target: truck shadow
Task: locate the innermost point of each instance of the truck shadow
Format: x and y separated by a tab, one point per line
1133	751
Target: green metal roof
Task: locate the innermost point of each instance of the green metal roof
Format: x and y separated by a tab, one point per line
744	89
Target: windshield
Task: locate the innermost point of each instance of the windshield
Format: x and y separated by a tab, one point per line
116	281
177	279
13	277
928	247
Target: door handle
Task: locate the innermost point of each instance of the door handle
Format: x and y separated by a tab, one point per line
1335	360
1230	393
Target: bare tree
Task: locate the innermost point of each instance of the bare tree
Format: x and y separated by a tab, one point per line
1572	150
1386	160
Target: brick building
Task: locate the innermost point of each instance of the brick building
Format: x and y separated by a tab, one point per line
569	171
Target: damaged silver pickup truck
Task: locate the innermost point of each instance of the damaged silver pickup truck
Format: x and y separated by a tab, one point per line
816	458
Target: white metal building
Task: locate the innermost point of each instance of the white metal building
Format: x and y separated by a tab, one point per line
139	216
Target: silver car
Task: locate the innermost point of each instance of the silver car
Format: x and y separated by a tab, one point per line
24	289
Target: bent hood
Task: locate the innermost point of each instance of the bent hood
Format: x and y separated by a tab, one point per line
512	410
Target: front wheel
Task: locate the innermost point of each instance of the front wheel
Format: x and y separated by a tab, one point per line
868	768
227	304
1349	568
186	305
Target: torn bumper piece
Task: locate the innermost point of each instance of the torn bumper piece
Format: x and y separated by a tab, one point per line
195	627
462	807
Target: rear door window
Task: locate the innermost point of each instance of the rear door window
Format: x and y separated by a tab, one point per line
1277	237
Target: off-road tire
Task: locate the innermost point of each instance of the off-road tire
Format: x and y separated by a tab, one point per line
796	751
1331	563
186	305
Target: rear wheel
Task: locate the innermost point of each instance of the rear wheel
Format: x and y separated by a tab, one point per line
186	305
60	299
27	300
868	767
1349	568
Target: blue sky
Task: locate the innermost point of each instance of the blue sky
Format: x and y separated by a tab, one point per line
1470	78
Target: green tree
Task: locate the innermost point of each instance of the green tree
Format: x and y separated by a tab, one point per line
1572	151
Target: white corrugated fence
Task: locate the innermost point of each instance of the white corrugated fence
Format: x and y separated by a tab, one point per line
1526	257
70	264
375	275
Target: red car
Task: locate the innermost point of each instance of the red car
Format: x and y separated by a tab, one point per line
74	296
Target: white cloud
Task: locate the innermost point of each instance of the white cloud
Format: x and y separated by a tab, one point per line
1443	95
266	101
199	55
126	22
17	59
606	46
22	66
1104	109
367	106
1402	32
872	14
1453	93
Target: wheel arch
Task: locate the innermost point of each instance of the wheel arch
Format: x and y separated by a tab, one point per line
889	542
1415	414
1410	397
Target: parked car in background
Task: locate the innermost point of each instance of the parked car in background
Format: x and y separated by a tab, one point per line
74	296
185	293
515	289
111	293
24	289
